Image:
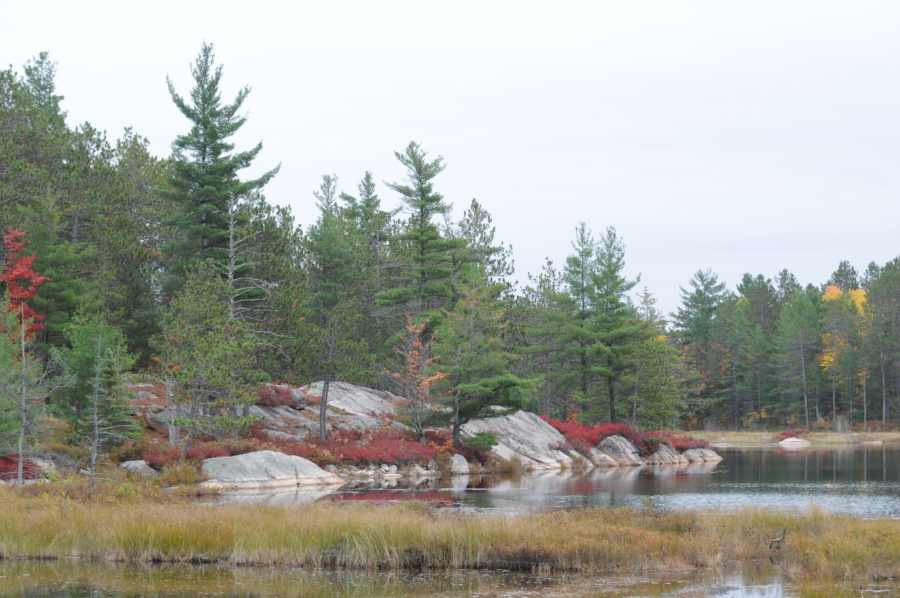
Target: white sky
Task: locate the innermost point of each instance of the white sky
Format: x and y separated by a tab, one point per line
739	136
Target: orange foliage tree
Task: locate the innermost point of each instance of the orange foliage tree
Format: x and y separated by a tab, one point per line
413	374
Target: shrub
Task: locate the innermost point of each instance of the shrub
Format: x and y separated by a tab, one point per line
180	474
9	468
483	441
276	396
681	443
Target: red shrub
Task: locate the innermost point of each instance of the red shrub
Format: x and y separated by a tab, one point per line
9	468
583	437
276	396
679	443
199	452
158	456
876	427
385	445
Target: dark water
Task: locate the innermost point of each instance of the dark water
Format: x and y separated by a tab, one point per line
860	480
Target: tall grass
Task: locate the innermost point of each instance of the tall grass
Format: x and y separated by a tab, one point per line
818	547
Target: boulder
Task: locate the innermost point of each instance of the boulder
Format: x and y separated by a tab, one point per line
139	468
459	465
620	450
600	459
666	455
793	444
523	436
265	469
355	400
702	455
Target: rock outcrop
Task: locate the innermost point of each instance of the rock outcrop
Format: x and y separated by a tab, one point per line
702	455
666	455
355	400
265	469
139	468
620	450
459	465
523	436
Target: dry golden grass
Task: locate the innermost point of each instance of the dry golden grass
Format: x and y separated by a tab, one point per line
748	438
819	547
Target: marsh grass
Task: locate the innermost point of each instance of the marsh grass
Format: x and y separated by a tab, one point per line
762	438
411	536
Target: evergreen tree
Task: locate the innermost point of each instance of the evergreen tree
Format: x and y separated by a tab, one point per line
211	357
799	330
616	328
93	404
425	284
204	178
474	362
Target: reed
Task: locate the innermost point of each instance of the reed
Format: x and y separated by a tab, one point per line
411	536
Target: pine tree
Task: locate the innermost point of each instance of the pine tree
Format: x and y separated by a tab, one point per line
474	361
425	284
204	178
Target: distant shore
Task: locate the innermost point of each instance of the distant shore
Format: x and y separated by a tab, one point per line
747	438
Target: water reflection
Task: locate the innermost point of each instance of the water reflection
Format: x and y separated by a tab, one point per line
862	480
78	579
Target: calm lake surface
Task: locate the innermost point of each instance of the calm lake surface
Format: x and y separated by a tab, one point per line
861	480
75	579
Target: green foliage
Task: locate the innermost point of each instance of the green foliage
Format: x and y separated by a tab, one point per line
203	180
211	358
483	441
94	346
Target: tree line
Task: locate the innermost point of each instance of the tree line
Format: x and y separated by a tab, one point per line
179	267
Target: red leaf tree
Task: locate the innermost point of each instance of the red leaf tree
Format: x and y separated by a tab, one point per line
21	281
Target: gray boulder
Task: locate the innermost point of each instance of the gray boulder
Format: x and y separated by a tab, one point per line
666	455
459	465
702	455
139	468
523	436
265	469
356	400
600	459
620	450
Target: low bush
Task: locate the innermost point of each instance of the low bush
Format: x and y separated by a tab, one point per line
277	396
584	437
792	434
681	443
9	468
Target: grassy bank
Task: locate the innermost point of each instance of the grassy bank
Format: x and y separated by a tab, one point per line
818	547
746	438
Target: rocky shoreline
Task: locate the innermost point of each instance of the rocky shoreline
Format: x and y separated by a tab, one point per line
525	443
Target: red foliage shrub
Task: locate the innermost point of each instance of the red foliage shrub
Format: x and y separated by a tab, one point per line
276	396
792	433
158	456
385	445
583	437
198	452
9	468
681	443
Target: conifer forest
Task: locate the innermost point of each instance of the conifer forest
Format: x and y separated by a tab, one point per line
118	263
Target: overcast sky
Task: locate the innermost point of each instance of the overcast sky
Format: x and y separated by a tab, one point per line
736	136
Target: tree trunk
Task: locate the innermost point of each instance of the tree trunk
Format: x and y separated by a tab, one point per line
323	411
23	403
611	391
805	393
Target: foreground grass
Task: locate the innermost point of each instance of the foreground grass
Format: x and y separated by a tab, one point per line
818	547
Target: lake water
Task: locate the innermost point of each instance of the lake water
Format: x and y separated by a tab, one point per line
76	579
861	480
